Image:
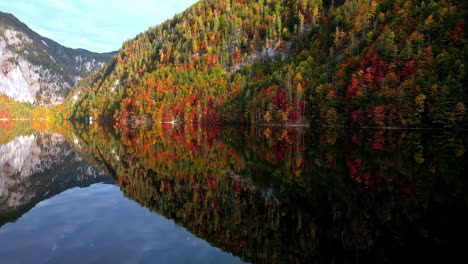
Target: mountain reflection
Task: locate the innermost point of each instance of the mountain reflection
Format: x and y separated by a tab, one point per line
265	194
36	165
271	195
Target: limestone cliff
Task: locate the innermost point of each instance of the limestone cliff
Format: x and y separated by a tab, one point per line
38	70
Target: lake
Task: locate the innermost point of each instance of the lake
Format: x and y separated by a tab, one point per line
80	193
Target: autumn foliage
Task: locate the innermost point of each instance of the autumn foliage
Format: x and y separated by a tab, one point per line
362	63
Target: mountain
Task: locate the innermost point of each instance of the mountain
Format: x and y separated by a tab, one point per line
38	70
353	62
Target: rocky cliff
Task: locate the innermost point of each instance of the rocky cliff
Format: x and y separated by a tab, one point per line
38	70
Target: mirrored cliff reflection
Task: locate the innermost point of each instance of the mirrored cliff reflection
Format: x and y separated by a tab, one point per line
36	165
273	195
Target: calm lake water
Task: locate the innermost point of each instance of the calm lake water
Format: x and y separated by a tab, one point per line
78	193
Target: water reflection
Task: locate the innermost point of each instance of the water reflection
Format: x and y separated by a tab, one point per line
44	219
36	166
272	195
98	225
293	196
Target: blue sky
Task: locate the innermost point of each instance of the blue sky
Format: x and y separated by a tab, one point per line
95	25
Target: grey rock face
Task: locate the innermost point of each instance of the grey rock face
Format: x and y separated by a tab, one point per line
38	70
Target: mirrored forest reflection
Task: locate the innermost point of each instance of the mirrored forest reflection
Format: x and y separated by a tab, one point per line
276	195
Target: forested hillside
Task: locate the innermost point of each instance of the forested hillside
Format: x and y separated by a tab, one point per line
359	62
10	109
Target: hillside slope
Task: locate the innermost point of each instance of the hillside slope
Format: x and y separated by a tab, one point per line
358	62
38	70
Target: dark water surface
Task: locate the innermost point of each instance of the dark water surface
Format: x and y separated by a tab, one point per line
75	193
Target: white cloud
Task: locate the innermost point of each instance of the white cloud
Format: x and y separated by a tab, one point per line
94	25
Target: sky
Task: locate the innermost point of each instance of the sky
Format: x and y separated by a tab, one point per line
95	25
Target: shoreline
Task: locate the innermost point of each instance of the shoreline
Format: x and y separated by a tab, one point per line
284	125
